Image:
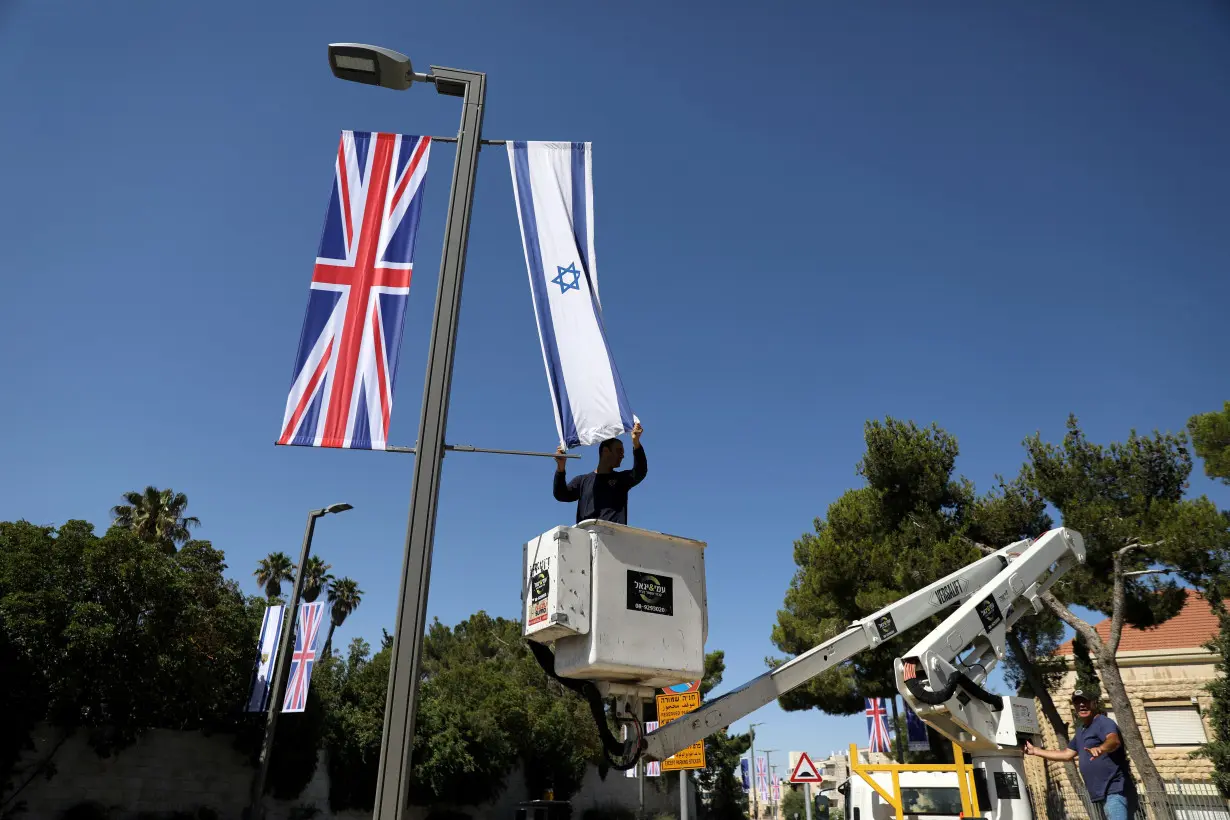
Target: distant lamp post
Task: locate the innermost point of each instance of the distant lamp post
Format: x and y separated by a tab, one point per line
281	666
373	65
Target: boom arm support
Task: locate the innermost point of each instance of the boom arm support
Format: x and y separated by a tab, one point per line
863	634
978	629
1014	575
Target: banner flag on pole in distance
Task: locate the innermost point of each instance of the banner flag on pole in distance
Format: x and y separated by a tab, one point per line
266	654
554	194
916	731
341	392
762	778
654	767
877	726
309	640
743	773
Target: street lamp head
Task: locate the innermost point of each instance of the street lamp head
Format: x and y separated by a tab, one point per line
372	65
338	508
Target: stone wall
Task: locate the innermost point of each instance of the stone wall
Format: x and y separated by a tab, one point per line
183	771
1151	679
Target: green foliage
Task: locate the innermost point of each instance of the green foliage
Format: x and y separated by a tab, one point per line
271	571
794	803
1211	440
157	517
315	577
116	635
344	598
1115	495
484	706
1217	750
1086	674
913	523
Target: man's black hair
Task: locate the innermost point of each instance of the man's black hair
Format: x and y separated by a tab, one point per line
604	446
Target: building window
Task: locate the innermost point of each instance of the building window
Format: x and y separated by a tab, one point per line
1175	725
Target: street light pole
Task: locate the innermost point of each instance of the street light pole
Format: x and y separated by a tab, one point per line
281	665
393	783
751	730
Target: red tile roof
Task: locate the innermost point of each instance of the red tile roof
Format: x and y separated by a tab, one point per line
1190	629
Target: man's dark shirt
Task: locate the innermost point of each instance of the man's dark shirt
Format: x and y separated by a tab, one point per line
602	495
1107	773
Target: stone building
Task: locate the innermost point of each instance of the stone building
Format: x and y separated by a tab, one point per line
1164	670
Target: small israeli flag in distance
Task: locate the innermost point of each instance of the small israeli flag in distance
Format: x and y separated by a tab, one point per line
554	192
266	654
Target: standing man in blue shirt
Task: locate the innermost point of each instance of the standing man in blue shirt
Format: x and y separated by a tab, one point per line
1103	761
603	494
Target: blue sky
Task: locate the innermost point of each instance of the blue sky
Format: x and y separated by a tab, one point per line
808	215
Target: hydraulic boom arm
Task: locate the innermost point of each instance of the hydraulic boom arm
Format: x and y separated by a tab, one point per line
1018	571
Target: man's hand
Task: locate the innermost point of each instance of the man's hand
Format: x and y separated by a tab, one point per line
1095	751
636	435
561	463
1029	748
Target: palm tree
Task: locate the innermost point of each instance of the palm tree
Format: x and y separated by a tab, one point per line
345	596
315	577
271	571
156	516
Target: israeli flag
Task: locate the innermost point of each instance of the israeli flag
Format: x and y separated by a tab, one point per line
553	186
267	653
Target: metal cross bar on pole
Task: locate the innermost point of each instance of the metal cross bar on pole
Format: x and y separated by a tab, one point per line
393	783
467	448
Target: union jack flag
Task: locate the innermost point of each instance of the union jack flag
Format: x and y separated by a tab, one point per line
341	393
877	726
307	635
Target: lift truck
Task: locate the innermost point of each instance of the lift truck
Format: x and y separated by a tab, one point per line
615	612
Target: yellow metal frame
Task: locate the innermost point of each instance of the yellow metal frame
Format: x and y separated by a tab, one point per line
964	772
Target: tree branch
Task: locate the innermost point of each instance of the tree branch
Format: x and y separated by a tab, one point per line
1117	614
1070	618
982	547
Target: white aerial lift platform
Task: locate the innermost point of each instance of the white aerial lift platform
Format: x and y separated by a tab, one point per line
625	609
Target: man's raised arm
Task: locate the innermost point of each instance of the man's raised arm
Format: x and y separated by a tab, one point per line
561	489
640	466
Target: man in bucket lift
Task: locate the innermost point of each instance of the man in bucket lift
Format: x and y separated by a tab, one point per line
603	494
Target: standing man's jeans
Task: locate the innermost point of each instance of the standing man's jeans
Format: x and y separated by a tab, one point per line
1118	807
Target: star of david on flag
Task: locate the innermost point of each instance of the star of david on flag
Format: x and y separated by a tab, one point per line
341	392
877	726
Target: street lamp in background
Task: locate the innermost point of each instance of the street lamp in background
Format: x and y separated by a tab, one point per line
768	778
281	666
751	731
372	65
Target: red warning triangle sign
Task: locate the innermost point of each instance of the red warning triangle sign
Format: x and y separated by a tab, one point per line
805	771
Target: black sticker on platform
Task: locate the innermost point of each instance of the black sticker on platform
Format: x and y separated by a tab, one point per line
651	593
988	612
540	587
1007	787
886	626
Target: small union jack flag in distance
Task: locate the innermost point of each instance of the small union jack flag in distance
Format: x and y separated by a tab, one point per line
877	726
341	392
307	635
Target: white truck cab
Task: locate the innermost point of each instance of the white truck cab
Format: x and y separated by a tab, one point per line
936	795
